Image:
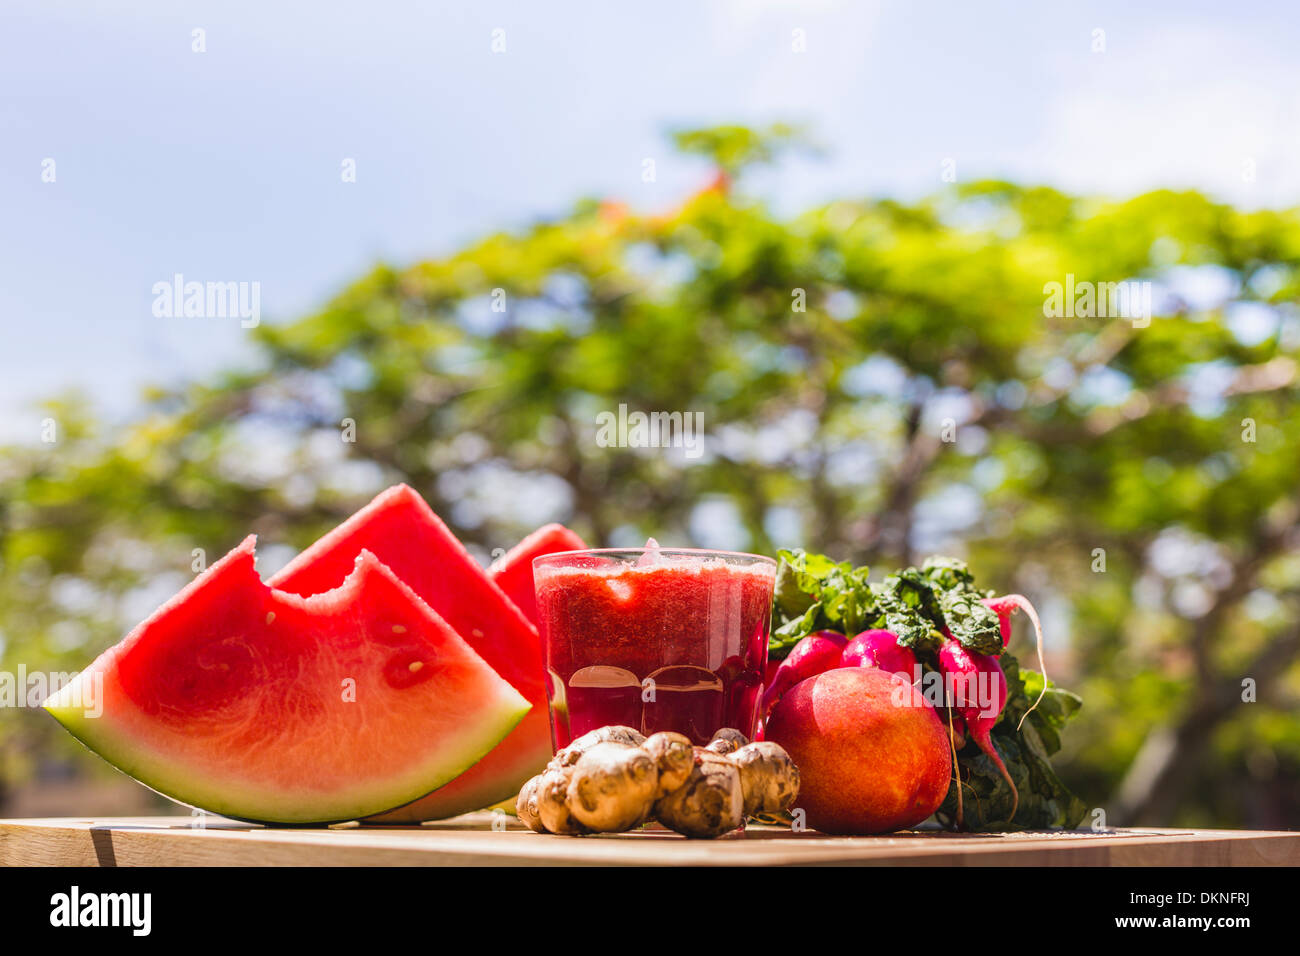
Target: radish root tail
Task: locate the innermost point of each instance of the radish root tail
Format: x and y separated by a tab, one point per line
956	771
992	751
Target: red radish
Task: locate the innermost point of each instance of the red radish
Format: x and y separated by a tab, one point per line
970	673
1004	606
1003	609
880	649
769	675
819	651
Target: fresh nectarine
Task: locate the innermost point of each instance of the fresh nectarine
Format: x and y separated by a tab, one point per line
872	752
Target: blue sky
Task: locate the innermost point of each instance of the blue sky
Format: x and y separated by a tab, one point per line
225	165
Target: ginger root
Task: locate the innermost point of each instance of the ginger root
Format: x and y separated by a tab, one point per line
726	741
526	805
768	777
553	813
613	733
675	758
710	803
614	779
611	787
544	804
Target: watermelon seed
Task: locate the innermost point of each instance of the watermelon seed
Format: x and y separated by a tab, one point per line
476	632
270	616
415	666
398	629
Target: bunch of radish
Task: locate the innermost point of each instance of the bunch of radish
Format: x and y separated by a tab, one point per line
970	712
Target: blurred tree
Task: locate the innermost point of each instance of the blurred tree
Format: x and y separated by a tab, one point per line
877	380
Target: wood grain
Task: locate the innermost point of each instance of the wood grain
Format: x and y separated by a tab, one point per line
472	841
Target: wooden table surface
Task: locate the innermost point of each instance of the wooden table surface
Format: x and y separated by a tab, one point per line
494	839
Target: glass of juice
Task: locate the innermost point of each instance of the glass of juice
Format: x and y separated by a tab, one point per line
654	638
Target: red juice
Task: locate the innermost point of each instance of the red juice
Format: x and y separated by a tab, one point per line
674	643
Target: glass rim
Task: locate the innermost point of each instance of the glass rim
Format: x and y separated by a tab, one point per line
688	552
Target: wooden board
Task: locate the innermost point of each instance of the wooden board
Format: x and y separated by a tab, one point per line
488	839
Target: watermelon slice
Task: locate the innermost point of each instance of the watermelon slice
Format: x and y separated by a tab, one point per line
513	573
401	530
264	705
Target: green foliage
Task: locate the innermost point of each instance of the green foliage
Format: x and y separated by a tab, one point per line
907	606
825	351
732	148
815	592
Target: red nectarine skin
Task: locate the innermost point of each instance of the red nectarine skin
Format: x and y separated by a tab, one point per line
872	753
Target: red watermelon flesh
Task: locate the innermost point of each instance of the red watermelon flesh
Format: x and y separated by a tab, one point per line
401	530
268	706
513	573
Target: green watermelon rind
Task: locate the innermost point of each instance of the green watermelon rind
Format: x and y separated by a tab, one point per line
283	806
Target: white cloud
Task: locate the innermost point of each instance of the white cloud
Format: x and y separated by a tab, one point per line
1189	107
